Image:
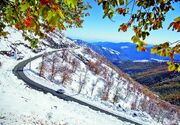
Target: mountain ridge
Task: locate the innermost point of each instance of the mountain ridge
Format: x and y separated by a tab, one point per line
127	51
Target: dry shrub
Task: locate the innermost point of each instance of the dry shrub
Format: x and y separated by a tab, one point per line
88	51
43	65
105	96
66	77
133	106
144	105
75	63
95	67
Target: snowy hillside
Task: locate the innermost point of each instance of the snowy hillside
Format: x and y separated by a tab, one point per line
21	105
84	75
85	72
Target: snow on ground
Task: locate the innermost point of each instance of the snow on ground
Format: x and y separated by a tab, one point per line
124	47
159	60
141	60
141	117
152	59
21	105
112	51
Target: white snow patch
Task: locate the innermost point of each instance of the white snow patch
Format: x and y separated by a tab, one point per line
124	47
112	51
159	60
21	105
144	60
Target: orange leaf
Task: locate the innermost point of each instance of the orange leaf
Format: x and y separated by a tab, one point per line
124	28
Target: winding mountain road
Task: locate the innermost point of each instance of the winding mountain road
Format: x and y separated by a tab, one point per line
18	71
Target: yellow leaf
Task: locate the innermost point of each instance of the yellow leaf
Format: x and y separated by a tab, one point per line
135	39
177	19
71	3
61	14
178	68
121	2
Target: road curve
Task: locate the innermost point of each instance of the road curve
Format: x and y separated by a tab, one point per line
18	71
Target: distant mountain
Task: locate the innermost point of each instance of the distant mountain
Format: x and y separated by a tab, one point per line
124	51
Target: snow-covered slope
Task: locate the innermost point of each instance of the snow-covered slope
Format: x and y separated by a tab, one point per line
98	79
21	105
79	71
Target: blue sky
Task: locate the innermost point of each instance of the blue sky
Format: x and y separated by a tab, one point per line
97	29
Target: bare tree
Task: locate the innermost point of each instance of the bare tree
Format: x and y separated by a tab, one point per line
116	98
91	65
75	64
80	84
69	59
53	69
100	92
58	54
105	72
82	81
107	88
88	51
93	86
43	65
65	77
42	69
117	94
95	66
133	105
64	55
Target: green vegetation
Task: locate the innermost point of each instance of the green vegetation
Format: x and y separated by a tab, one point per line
41	16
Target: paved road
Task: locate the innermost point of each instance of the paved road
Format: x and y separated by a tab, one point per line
18	71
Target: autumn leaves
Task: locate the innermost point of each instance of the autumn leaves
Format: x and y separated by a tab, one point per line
44	2
42	16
